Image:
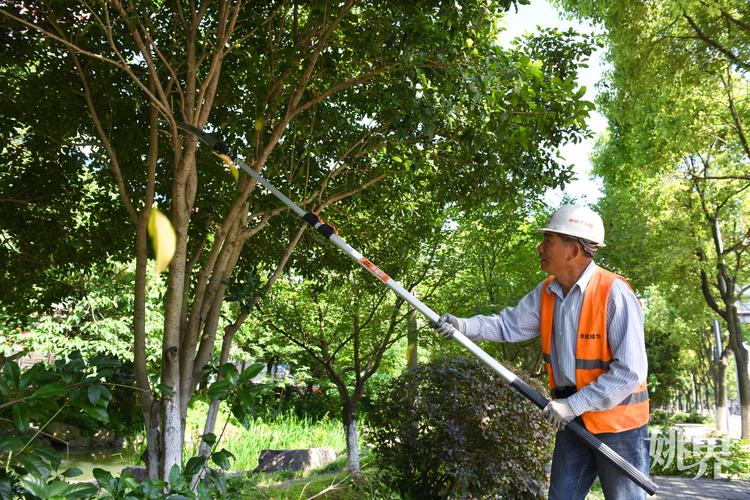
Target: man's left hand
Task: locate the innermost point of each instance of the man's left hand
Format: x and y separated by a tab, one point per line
558	413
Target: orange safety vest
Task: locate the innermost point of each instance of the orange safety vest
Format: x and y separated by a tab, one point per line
593	355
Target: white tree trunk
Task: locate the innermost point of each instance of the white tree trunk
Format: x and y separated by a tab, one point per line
721	418
171	434
352	446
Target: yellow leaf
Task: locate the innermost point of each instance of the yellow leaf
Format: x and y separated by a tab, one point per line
230	165
234	171
259	124
163	239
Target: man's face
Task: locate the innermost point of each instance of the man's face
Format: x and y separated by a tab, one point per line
555	253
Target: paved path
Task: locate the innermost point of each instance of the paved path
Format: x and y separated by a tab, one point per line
685	487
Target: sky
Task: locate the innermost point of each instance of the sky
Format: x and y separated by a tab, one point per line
540	13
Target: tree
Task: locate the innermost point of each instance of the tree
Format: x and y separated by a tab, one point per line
686	124
343	319
327	100
496	265
346	332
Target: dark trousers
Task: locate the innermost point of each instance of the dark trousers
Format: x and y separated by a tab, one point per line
575	466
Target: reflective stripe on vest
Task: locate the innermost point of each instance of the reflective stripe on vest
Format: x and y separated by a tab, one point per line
593	355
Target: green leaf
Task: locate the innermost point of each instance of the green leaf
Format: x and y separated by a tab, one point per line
105	394
5	488
209	438
10	443
34	465
21	416
13	372
219	389
35	485
165	389
152	488
128	481
230	373
251	372
221	458
94	394
57	488
194	465
176	481
49	391
174	474
95	411
81	490
47	453
72	472
101	475
105	481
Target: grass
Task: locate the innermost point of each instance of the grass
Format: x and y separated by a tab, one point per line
331	479
332	482
596	491
283	432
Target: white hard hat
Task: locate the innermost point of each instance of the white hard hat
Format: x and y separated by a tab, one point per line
574	220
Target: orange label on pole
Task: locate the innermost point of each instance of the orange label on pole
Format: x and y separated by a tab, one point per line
375	270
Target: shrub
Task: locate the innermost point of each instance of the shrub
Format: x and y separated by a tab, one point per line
450	428
664	418
689	418
672	454
659	416
276	399
31	399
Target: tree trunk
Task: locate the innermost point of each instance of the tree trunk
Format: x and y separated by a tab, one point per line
172	431
149	406
721	392
352	437
151	455
696	394
743	388
741	360
411	337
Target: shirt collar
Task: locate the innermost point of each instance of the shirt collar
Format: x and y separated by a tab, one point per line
582	282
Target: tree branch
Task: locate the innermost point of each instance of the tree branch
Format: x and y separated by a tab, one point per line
705	38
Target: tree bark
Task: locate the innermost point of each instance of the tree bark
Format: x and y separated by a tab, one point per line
720	387
352	437
183	193
411	340
741	360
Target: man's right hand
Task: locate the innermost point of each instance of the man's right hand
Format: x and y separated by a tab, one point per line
446	323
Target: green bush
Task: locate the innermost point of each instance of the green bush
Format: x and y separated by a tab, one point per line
450	428
277	399
673	455
664	418
29	400
689	418
659	417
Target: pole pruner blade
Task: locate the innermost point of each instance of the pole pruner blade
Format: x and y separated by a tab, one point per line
204	137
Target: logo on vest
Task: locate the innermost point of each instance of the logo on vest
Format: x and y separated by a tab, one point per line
590	336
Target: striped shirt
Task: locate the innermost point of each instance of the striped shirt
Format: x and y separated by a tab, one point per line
629	365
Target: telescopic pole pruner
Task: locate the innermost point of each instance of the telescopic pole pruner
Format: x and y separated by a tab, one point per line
222	151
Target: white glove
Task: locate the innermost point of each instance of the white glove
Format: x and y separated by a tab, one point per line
558	413
444	324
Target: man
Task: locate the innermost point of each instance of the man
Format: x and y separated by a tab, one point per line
591	327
